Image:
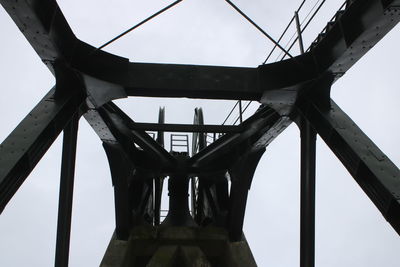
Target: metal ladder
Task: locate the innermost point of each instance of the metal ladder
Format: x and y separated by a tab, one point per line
179	141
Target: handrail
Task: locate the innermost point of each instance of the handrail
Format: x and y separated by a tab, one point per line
305	27
324	30
284	32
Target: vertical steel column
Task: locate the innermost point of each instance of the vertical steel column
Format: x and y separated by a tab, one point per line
307	183
307	195
157	199
66	192
240	112
158	181
296	15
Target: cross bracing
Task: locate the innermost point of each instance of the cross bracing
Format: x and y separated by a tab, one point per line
330	59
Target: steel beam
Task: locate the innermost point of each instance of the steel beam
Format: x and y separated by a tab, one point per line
171	80
121	173
45	27
353	33
307	195
199	139
213	200
118	122
158	181
241	176
370	167
141	197
25	146
258	132
191	128
107	77
199	142
110	134
66	192
124	159
158	185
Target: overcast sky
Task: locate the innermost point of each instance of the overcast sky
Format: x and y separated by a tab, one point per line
350	231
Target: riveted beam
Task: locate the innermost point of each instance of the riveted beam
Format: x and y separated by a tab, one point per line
25	146
258	132
370	167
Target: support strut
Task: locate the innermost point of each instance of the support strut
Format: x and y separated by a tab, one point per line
66	192
307	195
370	167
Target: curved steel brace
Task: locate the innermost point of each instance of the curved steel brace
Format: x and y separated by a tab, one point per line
121	173
241	176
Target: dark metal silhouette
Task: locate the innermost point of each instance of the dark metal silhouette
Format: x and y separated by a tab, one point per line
297	89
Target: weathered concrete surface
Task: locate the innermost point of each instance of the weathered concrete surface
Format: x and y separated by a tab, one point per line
150	246
115	254
194	256
165	256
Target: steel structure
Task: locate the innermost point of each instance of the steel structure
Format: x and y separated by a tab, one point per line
292	90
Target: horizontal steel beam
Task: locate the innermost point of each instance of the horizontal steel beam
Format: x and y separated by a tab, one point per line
370	167
186	128
354	32
171	80
25	146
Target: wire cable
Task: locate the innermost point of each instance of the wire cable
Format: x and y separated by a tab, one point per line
302	22
258	28
248	104
284	32
343	6
308	23
227	117
138	25
294	34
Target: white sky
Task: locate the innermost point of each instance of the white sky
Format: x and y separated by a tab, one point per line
350	231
